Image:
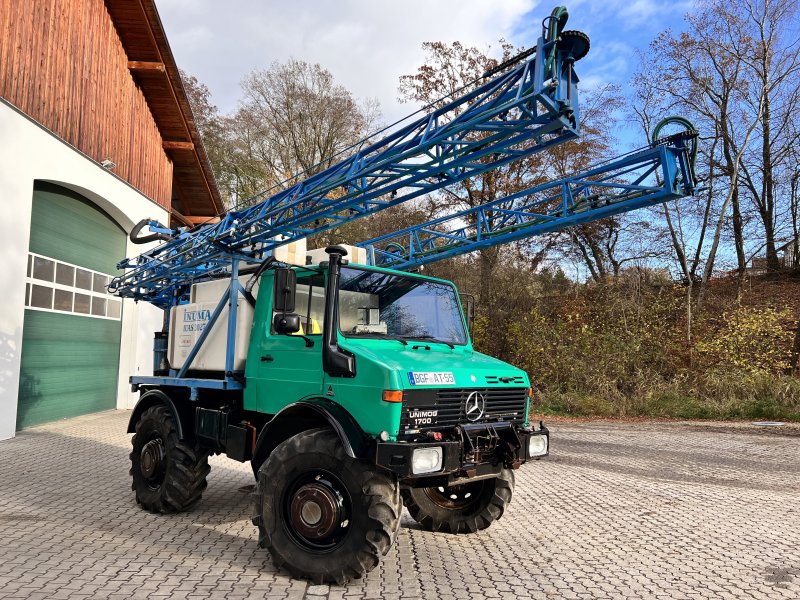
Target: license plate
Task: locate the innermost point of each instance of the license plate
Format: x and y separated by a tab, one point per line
431	378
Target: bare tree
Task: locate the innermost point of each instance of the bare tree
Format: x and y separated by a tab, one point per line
794	209
704	71
773	65
604	246
687	220
296	120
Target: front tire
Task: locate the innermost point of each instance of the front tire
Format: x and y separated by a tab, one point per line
464	508
168	474
323	515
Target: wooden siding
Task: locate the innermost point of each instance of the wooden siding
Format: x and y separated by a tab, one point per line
63	64
195	192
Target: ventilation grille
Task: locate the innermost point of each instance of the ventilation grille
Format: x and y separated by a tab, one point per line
494	380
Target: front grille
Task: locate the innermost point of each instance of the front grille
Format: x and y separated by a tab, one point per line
439	408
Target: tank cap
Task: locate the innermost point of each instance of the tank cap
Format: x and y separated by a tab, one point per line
336	251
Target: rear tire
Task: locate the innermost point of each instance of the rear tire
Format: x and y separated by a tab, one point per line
168	475
322	515
464	508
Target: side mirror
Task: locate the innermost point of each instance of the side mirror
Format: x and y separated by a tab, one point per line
285	289
286	323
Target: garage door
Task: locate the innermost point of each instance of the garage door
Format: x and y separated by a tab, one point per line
71	334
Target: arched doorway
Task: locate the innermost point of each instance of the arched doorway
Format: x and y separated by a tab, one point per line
71	333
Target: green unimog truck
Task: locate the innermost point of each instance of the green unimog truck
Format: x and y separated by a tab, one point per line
359	392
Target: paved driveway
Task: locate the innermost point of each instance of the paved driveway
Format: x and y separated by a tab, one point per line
618	510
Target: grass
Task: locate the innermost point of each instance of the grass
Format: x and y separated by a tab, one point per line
716	396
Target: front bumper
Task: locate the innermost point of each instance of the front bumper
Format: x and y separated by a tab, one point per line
477	451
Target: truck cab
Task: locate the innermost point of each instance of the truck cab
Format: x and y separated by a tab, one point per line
415	378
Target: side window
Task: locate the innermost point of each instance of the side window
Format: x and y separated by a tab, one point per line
309	304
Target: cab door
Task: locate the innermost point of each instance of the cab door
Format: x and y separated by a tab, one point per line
288	369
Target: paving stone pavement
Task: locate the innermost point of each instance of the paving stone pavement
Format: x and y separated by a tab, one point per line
617	511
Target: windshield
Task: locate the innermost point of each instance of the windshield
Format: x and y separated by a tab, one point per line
373	304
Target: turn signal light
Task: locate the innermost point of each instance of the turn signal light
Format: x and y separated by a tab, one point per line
530	393
392	395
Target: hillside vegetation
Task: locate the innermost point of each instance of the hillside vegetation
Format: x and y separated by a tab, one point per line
622	349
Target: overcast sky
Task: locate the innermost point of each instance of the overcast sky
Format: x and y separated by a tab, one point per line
367	44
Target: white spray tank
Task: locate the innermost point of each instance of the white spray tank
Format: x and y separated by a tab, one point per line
188	321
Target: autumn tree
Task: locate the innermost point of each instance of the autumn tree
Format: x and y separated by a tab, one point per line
450	70
212	127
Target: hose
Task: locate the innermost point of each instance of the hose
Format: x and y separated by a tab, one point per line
552	27
555	25
146	239
266	264
689	127
395	248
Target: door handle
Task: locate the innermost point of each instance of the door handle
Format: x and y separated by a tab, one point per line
267	358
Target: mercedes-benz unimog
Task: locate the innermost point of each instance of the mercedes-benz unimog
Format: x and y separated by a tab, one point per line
362	393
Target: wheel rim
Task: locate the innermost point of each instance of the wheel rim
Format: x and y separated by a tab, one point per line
152	462
456	497
317	509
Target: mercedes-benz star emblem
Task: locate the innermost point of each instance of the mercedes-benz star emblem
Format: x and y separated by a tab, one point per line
475	406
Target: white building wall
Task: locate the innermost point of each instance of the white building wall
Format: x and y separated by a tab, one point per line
29	152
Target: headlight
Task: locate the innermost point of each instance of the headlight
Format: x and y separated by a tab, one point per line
537	445
426	460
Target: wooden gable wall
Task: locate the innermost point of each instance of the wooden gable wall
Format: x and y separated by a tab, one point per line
63	64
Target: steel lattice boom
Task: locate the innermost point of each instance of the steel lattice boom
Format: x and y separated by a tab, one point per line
517	113
657	174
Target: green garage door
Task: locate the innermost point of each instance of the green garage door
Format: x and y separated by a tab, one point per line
71	335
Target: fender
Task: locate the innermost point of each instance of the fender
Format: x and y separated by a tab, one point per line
155	397
309	414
